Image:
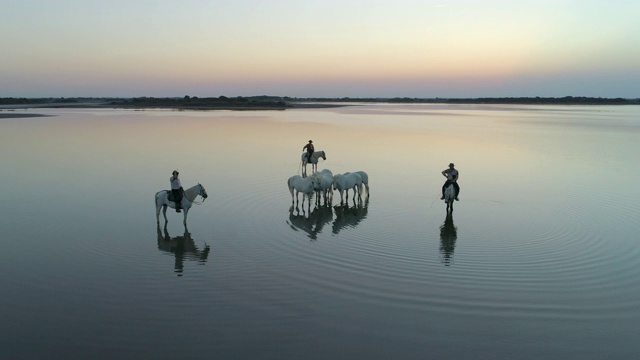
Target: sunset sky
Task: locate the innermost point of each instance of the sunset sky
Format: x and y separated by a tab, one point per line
346	48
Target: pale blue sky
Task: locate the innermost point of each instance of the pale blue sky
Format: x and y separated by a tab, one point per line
319	48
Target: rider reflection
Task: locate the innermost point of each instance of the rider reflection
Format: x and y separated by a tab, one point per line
448	237
183	248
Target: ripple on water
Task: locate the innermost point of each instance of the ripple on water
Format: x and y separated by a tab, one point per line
521	264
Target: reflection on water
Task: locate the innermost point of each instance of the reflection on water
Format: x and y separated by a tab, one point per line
350	216
310	222
448	237
182	247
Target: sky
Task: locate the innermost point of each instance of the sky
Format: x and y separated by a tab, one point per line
345	48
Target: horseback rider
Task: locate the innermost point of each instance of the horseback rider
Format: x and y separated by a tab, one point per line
452	178
176	189
310	150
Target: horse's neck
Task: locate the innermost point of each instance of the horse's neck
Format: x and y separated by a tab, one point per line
191	193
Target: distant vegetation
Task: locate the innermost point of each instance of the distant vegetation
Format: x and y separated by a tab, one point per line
265	102
195	102
567	100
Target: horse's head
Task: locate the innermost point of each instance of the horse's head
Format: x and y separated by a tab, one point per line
202	192
316	183
324	156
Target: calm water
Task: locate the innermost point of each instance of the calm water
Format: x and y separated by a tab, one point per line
540	259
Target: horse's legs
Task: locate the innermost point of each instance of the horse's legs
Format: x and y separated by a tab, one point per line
164	212
158	214
186	210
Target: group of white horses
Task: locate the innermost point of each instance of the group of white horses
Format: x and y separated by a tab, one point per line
323	182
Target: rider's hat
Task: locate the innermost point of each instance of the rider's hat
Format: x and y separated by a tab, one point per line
451	164
310	140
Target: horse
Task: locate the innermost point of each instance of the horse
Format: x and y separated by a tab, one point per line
163	201
306	186
325	177
314	160
449	196
346	181
365	179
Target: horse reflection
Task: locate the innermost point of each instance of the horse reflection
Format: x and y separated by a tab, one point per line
448	237
350	217
183	248
312	223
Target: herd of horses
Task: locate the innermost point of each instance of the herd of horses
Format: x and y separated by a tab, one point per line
322	183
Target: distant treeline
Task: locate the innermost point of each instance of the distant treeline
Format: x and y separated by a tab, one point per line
284	102
21	101
194	102
567	100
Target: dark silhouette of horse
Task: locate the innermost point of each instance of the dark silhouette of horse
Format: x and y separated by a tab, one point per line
350	216
183	248
448	237
312	223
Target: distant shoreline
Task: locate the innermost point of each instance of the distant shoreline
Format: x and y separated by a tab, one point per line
4	115
264	102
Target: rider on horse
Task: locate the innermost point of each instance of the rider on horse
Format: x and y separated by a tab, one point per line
452	178
176	189
310	149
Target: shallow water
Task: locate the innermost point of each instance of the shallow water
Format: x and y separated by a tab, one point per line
540	258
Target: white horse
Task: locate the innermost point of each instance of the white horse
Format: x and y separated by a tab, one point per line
449	196
306	186
365	179
314	160
162	201
346	181
325	177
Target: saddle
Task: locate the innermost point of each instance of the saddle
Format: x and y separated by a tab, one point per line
170	196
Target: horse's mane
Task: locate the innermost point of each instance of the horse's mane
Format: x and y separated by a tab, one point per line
191	193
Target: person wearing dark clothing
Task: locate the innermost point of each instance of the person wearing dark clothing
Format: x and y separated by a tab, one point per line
176	189
310	149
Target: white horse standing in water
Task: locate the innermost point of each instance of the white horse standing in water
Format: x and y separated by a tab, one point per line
162	201
306	186
325	177
314	160
346	181
365	179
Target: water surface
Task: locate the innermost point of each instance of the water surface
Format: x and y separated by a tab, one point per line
538	260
